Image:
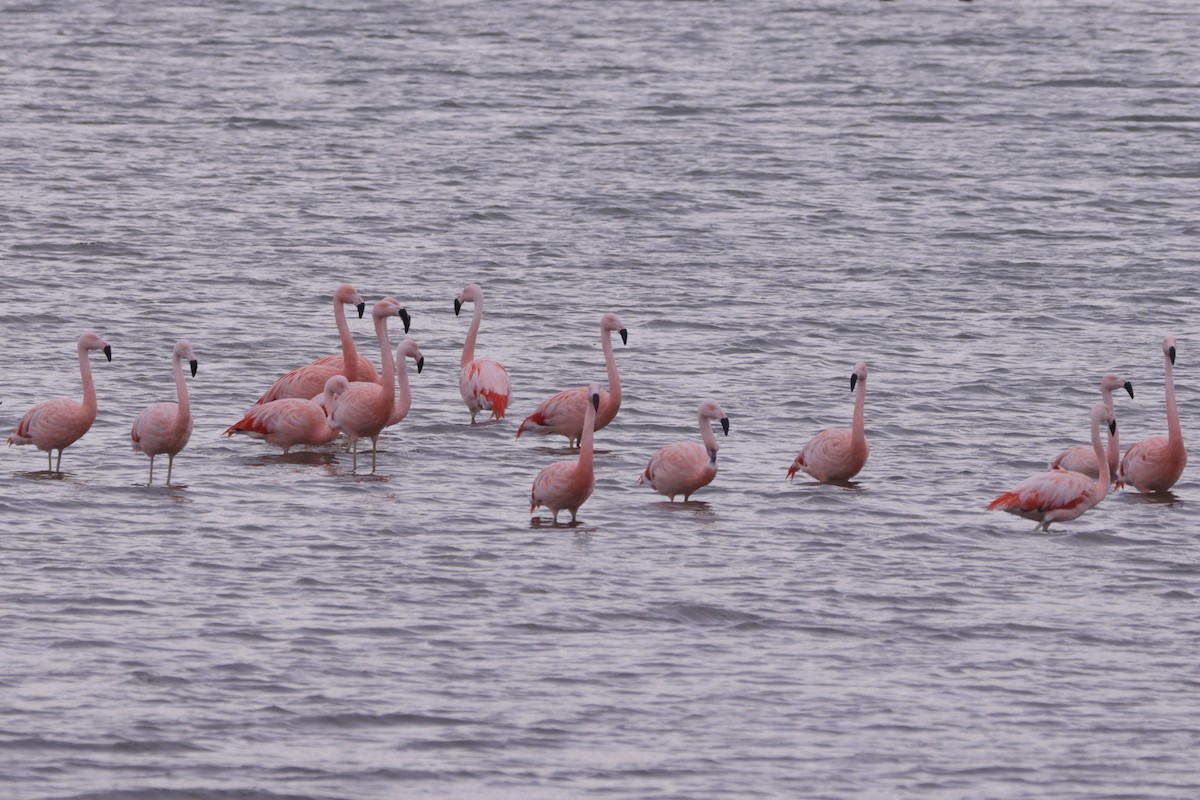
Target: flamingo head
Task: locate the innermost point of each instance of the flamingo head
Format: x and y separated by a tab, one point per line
408	349
1110	383
90	341
184	352
348	295
711	409
859	374
390	307
1169	348
471	294
611	322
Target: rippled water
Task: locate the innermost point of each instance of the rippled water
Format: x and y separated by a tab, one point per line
992	204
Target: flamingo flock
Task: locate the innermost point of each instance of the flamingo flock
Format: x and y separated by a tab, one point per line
342	395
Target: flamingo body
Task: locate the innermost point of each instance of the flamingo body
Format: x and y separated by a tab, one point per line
563	413
483	383
684	467
568	484
293	421
165	428
57	424
1155	464
838	454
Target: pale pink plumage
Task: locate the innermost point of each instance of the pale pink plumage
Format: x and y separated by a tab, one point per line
1080	458
1155	464
483	383
309	381
563	413
407	349
166	427
568	484
1059	494
838	454
56	424
294	421
684	467
364	409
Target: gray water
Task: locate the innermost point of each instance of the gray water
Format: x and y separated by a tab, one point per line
992	204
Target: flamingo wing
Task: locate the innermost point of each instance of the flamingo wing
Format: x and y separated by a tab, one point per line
309	381
486	384
679	468
1056	490
52	424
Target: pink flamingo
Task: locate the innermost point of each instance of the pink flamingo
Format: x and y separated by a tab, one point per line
564	412
482	383
1153	465
293	420
1081	459
309	381
1060	494
568	484
57	424
837	455
364	409
684	467
407	349
166	427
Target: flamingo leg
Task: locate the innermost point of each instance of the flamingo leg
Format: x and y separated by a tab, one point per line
354	467
49	461
374	444
58	463
170	463
151	481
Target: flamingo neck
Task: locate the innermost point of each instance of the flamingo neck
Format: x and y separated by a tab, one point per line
89	388
614	377
388	378
184	412
329	401
857	428
586	443
710	440
1114	449
469	346
1174	432
404	401
1102	484
349	353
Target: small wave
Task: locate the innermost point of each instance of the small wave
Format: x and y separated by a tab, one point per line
352	719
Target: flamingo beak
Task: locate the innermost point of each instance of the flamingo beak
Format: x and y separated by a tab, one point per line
362	309
853	380
457	306
1129	388
406	319
1112	426
596	401
725	425
194	364
1171	353
420	364
108	352
624	336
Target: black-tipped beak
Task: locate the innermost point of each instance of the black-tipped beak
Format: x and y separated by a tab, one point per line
1129	388
725	425
1171	353
624	336
362	309
420	364
853	380
457	306
596	401
406	319
108	352
194	364
1112	426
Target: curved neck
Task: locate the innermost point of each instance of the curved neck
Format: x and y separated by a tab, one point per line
469	346
387	380
329	402
404	401
349	354
1113	452
710	439
1101	461
184	412
614	377
586	448
860	400
89	388
1174	432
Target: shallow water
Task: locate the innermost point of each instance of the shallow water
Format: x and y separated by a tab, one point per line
991	204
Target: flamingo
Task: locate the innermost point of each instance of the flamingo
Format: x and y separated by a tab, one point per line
1153	465
364	409
1060	494
293	420
837	455
684	467
564	412
1081	458
57	424
483	383
309	381
407	349
568	484
166	427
